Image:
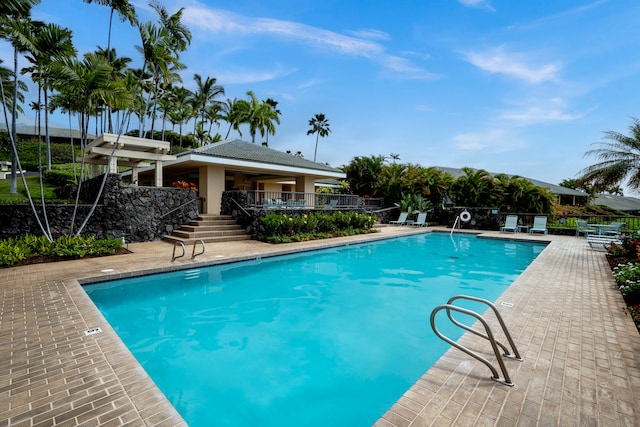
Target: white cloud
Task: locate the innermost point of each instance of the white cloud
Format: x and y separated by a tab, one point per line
553	110
479	4
371	34
518	65
244	76
495	141
207	23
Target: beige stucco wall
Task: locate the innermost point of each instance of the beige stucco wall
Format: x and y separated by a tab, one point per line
211	188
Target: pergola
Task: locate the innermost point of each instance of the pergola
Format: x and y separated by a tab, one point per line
121	150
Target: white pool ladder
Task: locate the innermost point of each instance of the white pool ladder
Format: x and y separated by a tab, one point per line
449	307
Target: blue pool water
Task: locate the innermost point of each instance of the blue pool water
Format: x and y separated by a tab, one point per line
330	337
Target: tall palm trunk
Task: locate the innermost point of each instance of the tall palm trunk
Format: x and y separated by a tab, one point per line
13	183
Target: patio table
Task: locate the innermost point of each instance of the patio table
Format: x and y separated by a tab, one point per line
599	227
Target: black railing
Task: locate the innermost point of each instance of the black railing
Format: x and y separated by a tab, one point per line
289	200
631	223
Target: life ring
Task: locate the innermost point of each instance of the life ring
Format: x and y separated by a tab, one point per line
465	216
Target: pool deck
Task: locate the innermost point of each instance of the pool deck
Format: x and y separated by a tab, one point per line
581	350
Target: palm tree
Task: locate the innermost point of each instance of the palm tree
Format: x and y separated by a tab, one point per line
274	106
49	43
474	189
320	126
181	111
126	11
88	83
158	61
389	181
362	174
17	7
260	117
15	27
619	160
179	34
119	67
236	113
205	95
7	89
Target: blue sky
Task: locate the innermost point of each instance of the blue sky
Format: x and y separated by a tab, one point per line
521	87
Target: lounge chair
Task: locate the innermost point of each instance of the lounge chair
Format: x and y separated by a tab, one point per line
421	221
510	224
583	227
402	219
600	243
539	225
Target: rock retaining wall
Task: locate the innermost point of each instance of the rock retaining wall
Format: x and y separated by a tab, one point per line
140	214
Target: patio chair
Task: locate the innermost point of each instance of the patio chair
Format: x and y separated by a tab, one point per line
402	219
539	225
510	224
583	227
613	229
333	204
421	221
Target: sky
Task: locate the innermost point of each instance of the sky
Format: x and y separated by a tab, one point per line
520	87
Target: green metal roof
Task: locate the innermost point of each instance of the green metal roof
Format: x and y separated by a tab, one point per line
246	151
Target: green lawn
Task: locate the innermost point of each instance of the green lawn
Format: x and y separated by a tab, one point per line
34	188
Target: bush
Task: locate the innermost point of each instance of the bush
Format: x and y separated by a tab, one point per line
627	277
12	251
281	228
634	311
58	177
627	249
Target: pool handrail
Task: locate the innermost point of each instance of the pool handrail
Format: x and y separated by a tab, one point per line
174	257
193	252
489	336
516	353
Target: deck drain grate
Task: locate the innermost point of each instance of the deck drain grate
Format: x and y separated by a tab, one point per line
93	331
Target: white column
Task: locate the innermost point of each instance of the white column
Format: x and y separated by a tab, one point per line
158	174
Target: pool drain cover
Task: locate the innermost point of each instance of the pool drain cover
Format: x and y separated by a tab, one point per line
92	331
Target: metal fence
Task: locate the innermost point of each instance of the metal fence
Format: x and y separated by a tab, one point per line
286	200
631	223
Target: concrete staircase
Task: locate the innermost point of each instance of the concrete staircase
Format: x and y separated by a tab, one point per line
209	228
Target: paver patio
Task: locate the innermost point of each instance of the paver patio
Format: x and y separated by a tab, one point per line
581	350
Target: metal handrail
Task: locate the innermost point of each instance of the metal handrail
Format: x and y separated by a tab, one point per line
179	207
516	353
489	336
193	253
241	207
454	225
174	257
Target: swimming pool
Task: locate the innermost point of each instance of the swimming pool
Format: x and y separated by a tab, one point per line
329	337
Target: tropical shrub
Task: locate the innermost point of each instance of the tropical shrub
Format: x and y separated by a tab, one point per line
627	278
58	177
627	249
634	311
13	251
284	228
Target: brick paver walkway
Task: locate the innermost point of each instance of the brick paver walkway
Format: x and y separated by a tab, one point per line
581	351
